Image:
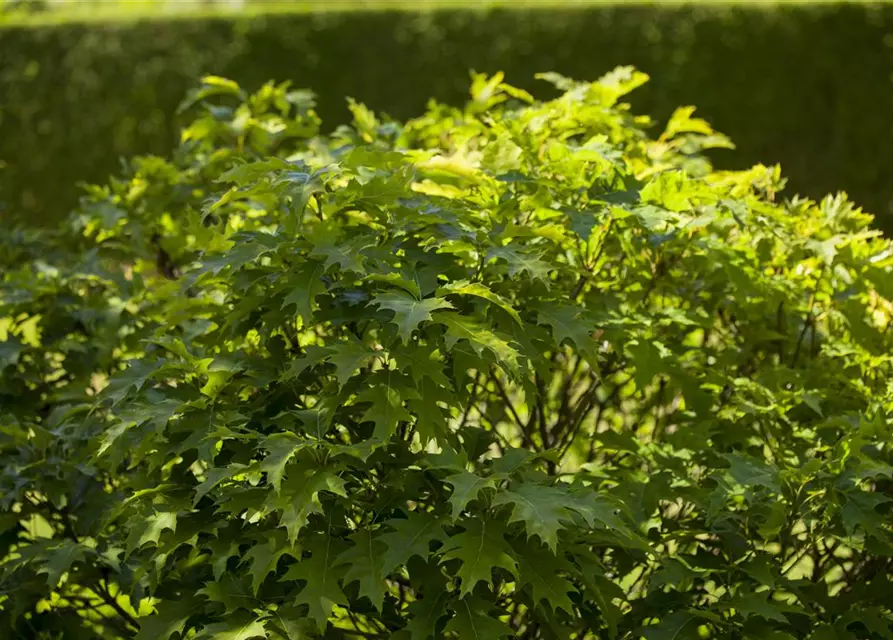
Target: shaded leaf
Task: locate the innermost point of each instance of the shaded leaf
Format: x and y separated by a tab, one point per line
466	487
409	312
480	548
472	621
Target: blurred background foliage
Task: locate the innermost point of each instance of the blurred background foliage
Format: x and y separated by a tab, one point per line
809	85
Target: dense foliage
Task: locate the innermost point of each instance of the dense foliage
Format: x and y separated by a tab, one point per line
512	370
805	84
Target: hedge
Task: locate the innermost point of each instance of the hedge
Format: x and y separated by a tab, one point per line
806	85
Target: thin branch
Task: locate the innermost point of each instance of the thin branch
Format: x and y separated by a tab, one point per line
806	324
471	398
581	282
810	318
601	246
505	397
501	442
587	401
590	455
110	600
612	397
541	410
565	395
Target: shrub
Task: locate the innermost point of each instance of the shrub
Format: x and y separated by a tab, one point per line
514	370
77	97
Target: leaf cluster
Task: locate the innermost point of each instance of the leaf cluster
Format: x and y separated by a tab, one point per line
518	369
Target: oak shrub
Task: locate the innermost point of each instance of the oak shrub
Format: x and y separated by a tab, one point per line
518	369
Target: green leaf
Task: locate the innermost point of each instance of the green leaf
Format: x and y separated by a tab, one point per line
583	222
466	487
59	560
426	612
321	591
264	557
217	85
472	621
348	357
599	511
423	362
9	353
313	355
346	253
876	621
240	627
170	618
478	336
409	312
174	345
131	379
280	448
318	420
480	548
749	472
219	373
430	423
464	287
539	569
289	625
750	604
676	626
568	323
398	280
248	172
366	565
544	510
215	476
150	529
521	261
859	510
409	537
229	591
248	248
386	410
304	286
512	460
222	549
299	497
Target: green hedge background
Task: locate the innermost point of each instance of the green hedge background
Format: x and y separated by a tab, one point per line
806	85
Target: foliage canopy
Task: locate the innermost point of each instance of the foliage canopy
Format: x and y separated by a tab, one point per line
511	370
